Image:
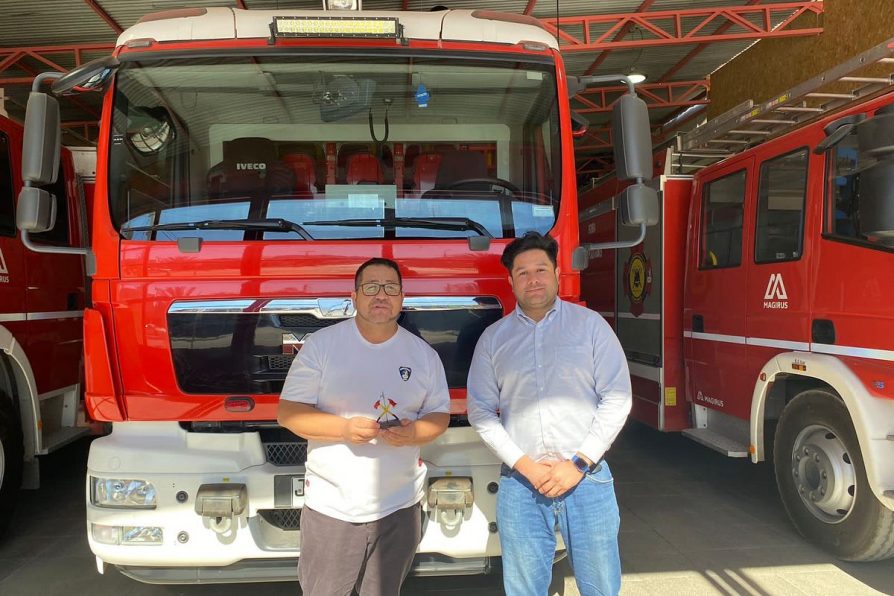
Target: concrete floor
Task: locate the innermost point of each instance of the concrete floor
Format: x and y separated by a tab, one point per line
693	522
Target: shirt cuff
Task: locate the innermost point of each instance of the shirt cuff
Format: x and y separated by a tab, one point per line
510	453
593	448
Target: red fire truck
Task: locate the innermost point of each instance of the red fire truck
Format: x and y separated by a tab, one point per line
41	312
756	316
249	161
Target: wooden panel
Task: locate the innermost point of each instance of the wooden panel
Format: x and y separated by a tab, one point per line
774	65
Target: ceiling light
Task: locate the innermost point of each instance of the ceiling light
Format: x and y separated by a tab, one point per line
341	4
636	77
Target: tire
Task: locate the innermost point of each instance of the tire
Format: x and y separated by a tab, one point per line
11	453
822	480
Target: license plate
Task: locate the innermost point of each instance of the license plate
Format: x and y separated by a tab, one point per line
297	491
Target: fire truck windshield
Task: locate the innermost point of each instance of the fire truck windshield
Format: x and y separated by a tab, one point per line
340	147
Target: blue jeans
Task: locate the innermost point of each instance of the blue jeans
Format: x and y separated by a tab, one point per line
588	519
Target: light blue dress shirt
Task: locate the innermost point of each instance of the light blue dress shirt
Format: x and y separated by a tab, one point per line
551	388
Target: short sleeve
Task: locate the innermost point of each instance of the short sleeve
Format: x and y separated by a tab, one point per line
438	397
305	375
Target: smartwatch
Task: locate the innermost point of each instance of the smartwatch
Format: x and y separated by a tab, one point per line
582	466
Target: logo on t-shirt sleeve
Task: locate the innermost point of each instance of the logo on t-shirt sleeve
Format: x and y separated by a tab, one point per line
405	372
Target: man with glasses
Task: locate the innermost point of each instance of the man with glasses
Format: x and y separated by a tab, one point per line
365	393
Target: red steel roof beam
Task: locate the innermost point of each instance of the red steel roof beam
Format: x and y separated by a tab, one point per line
657	24
621	34
702	46
94	5
530	7
656	95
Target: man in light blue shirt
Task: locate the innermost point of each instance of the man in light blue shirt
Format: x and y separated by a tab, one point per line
549	391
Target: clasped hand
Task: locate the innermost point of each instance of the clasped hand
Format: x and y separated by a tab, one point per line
363	430
554	479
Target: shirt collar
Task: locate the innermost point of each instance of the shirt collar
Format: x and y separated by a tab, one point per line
550	314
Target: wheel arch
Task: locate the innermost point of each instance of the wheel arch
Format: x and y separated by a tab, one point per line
787	374
23	390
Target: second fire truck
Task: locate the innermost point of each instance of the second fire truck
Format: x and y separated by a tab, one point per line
757	316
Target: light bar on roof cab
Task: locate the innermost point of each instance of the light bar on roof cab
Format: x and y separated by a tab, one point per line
377	27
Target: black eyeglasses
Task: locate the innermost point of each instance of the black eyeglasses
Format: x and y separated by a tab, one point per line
372	289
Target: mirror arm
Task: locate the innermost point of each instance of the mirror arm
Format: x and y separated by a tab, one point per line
67	250
588	80
44	76
619	244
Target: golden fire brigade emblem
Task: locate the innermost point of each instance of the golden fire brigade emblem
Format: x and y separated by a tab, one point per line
638	279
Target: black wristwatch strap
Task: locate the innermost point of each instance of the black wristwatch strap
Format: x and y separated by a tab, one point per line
582	465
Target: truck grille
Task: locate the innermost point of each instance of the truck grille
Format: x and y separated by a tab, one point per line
306	321
286	454
283	362
284	519
245	347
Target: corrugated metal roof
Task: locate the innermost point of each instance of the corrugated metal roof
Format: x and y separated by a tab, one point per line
68	22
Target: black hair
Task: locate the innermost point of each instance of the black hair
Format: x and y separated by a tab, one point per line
377	261
530	241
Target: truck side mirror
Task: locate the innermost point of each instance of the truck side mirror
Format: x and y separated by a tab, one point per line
632	138
41	146
877	200
36	210
639	205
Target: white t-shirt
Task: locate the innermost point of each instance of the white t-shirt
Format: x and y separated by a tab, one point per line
341	373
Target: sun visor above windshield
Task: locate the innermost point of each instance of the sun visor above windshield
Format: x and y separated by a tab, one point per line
492	27
229	23
215	23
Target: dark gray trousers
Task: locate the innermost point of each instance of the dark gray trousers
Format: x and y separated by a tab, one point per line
339	558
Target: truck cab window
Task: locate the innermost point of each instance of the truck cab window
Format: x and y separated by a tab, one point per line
337	145
721	238
857	193
7	198
780	210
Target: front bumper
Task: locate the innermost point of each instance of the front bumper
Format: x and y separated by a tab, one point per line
256	546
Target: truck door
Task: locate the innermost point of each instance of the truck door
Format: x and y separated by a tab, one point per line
714	297
778	306
12	275
55	292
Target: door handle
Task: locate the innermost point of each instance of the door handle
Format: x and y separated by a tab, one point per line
698	323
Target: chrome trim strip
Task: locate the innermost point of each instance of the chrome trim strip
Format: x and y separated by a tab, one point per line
872	353
728	339
41	316
800	346
328	308
857	352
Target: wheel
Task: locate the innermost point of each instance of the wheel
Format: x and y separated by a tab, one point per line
11	450
822	480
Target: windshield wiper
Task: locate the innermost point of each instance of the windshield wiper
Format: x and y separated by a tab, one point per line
431	223
268	225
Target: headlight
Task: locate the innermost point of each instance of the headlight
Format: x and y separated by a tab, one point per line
122	493
128	535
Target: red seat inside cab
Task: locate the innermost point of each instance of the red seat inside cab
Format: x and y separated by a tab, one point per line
425	171
304	167
364	168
